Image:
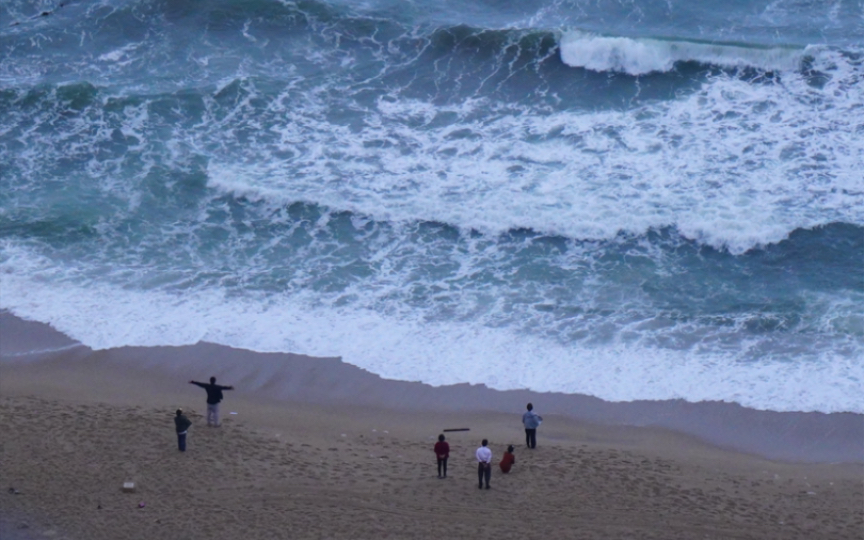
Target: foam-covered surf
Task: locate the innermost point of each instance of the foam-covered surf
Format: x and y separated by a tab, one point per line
449	195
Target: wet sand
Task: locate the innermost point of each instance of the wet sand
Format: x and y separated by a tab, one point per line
321	449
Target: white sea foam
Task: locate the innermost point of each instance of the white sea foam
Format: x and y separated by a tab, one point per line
37	352
639	56
103	316
734	164
123	55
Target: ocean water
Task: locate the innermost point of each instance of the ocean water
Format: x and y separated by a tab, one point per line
630	199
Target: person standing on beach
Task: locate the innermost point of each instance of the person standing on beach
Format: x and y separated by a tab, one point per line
181	424
508	460
214	396
531	421
442	452
484	464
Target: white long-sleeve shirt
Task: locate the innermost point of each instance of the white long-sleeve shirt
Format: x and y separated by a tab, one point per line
484	455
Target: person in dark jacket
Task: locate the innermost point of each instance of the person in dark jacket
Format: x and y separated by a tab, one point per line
442	452
214	396
181	424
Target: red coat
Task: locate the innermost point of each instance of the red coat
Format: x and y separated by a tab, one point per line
442	450
507	462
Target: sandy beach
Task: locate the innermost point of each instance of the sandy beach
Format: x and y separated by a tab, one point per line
314	448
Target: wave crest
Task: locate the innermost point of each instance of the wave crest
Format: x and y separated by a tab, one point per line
640	56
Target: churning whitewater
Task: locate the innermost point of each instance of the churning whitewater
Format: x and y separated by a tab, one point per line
646	200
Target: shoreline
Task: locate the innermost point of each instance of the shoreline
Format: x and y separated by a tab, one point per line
324	450
785	436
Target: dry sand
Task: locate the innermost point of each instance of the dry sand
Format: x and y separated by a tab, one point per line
318	449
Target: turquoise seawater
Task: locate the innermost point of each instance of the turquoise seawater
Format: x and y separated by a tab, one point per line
639	200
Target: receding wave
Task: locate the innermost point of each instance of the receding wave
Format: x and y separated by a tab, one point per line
639	56
412	301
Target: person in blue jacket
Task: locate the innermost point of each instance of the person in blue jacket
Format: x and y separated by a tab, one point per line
531	421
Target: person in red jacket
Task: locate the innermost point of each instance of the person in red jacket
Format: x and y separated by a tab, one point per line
508	460
442	452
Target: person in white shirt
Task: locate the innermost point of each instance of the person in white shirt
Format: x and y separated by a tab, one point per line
484	464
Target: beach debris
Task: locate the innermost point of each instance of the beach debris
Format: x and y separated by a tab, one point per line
141	504
128	487
458	429
232	412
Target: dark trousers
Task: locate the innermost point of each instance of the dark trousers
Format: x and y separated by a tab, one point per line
442	467
181	441
531	437
484	471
